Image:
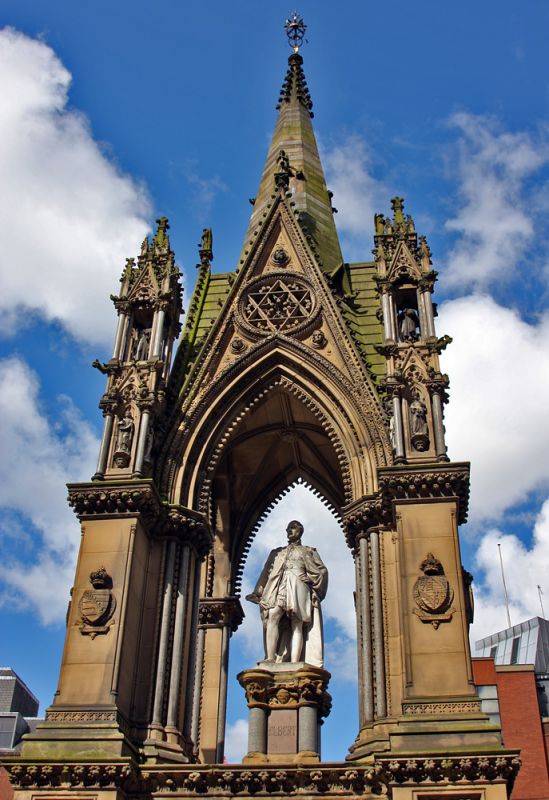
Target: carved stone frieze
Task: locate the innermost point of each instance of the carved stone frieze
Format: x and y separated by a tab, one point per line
140	498
415	483
451	769
74	716
306	686
248	780
449	707
69	776
216	612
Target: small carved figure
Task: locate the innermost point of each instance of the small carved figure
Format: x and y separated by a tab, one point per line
289	591
419	429
379	224
141	346
410	227
124	438
318	340
207	239
388	227
284	163
409	323
418	416
149	440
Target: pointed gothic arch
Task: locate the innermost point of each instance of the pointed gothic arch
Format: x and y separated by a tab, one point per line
360	441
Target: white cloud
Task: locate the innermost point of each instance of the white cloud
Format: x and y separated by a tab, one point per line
38	458
203	191
68	216
236	741
497	417
357	194
495	224
526	566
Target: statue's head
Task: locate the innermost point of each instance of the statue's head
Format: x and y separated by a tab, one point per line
294	530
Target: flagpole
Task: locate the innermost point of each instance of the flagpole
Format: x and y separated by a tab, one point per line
541	601
504	587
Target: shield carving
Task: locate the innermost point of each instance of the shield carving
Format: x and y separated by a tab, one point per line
433	594
97	605
94	605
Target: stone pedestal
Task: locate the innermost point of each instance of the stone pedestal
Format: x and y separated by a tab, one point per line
287	703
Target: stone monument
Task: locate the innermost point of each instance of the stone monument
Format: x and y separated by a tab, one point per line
286	693
294	366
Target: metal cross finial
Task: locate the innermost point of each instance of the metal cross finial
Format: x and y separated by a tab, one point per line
295	31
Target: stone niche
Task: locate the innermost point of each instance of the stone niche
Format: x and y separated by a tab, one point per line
286	703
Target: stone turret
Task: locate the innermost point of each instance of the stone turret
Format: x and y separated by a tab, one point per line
149	308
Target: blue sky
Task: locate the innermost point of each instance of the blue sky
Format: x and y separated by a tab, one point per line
112	114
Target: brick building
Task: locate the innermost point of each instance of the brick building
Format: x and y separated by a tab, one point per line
512	675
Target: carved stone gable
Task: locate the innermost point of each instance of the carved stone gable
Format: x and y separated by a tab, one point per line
403	265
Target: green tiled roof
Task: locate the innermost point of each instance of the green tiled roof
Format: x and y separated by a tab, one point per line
361	316
210	292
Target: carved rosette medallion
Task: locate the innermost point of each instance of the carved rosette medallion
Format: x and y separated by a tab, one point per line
277	303
97	605
433	594
280	257
238	346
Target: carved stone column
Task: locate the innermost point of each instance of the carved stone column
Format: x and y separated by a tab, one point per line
218	617
105	445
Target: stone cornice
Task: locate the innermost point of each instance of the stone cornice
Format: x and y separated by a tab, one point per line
115	499
324	780
433	481
140	498
406	483
216	612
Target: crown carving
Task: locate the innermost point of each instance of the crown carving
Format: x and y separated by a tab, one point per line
100	578
431	565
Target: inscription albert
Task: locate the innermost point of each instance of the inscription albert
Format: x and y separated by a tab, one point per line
282	731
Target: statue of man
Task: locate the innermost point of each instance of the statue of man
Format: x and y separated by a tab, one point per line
289	591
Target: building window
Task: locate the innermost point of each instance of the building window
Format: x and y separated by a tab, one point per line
515	650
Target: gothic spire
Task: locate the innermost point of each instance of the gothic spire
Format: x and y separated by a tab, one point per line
293	167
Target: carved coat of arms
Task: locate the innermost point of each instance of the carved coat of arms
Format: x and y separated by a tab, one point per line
432	593
97	605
